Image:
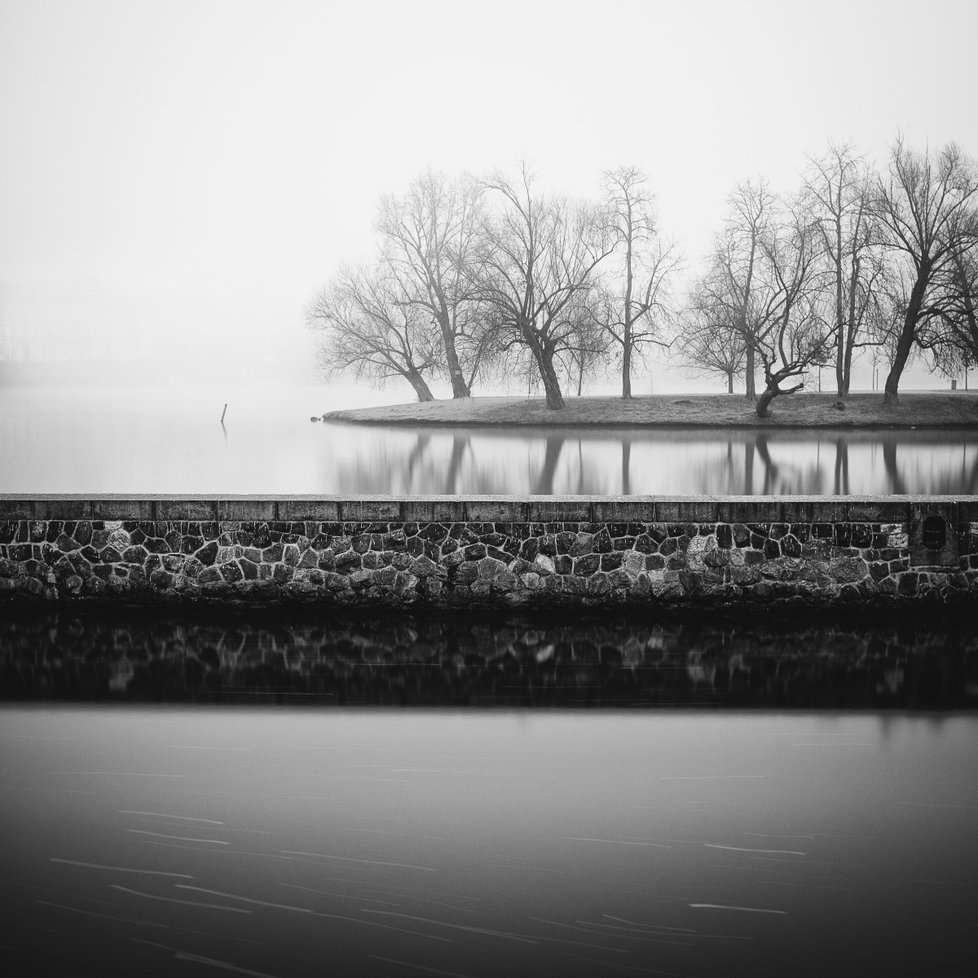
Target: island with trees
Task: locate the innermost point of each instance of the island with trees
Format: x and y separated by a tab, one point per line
486	282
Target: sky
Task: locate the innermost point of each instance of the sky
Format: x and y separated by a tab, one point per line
177	180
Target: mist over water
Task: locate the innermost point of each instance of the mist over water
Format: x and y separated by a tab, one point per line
171	440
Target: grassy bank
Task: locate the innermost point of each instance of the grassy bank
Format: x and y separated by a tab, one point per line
810	410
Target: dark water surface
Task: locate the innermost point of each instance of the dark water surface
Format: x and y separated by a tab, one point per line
543	808
459	661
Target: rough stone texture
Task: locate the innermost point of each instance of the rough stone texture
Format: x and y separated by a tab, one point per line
762	556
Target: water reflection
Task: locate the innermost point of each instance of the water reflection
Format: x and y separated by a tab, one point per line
448	461
454	662
167	441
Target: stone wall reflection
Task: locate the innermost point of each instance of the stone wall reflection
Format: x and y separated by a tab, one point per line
450	662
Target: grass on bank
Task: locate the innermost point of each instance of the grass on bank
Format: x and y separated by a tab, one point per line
808	410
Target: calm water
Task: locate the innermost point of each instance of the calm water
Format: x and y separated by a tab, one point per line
808	810
133	440
305	658
161	841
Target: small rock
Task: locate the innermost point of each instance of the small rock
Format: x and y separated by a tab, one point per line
314	418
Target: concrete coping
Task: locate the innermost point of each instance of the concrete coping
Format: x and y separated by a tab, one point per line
488	509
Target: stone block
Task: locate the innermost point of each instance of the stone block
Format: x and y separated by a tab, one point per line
686	511
16	508
246	509
435	510
312	510
66	508
932	534
635	509
374	510
497	510
746	509
559	511
877	510
967	510
183	509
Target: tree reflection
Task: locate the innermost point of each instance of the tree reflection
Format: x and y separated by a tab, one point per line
841	481
544	482
894	477
460	445
449	461
770	467
416	454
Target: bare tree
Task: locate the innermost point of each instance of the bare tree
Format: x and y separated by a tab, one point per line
733	282
927	205
838	190
366	328
791	333
709	345
950	334
538	261
430	236
762	286
732	288
586	350
635	290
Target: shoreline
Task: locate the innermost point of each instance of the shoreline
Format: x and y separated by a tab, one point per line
939	409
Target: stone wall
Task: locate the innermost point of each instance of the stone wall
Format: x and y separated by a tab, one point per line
452	552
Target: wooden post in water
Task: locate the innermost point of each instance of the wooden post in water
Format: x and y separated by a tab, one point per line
225	411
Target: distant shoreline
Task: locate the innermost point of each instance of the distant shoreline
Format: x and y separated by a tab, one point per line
937	409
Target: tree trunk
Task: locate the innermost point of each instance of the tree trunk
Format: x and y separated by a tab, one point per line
626	363
551	385
850	333
764	401
840	326
730	374
847	366
751	392
905	343
420	386
459	387
626	337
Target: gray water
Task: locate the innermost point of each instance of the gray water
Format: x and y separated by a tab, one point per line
171	440
191	794
296	842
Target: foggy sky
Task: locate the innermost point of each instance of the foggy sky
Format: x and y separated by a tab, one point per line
180	178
